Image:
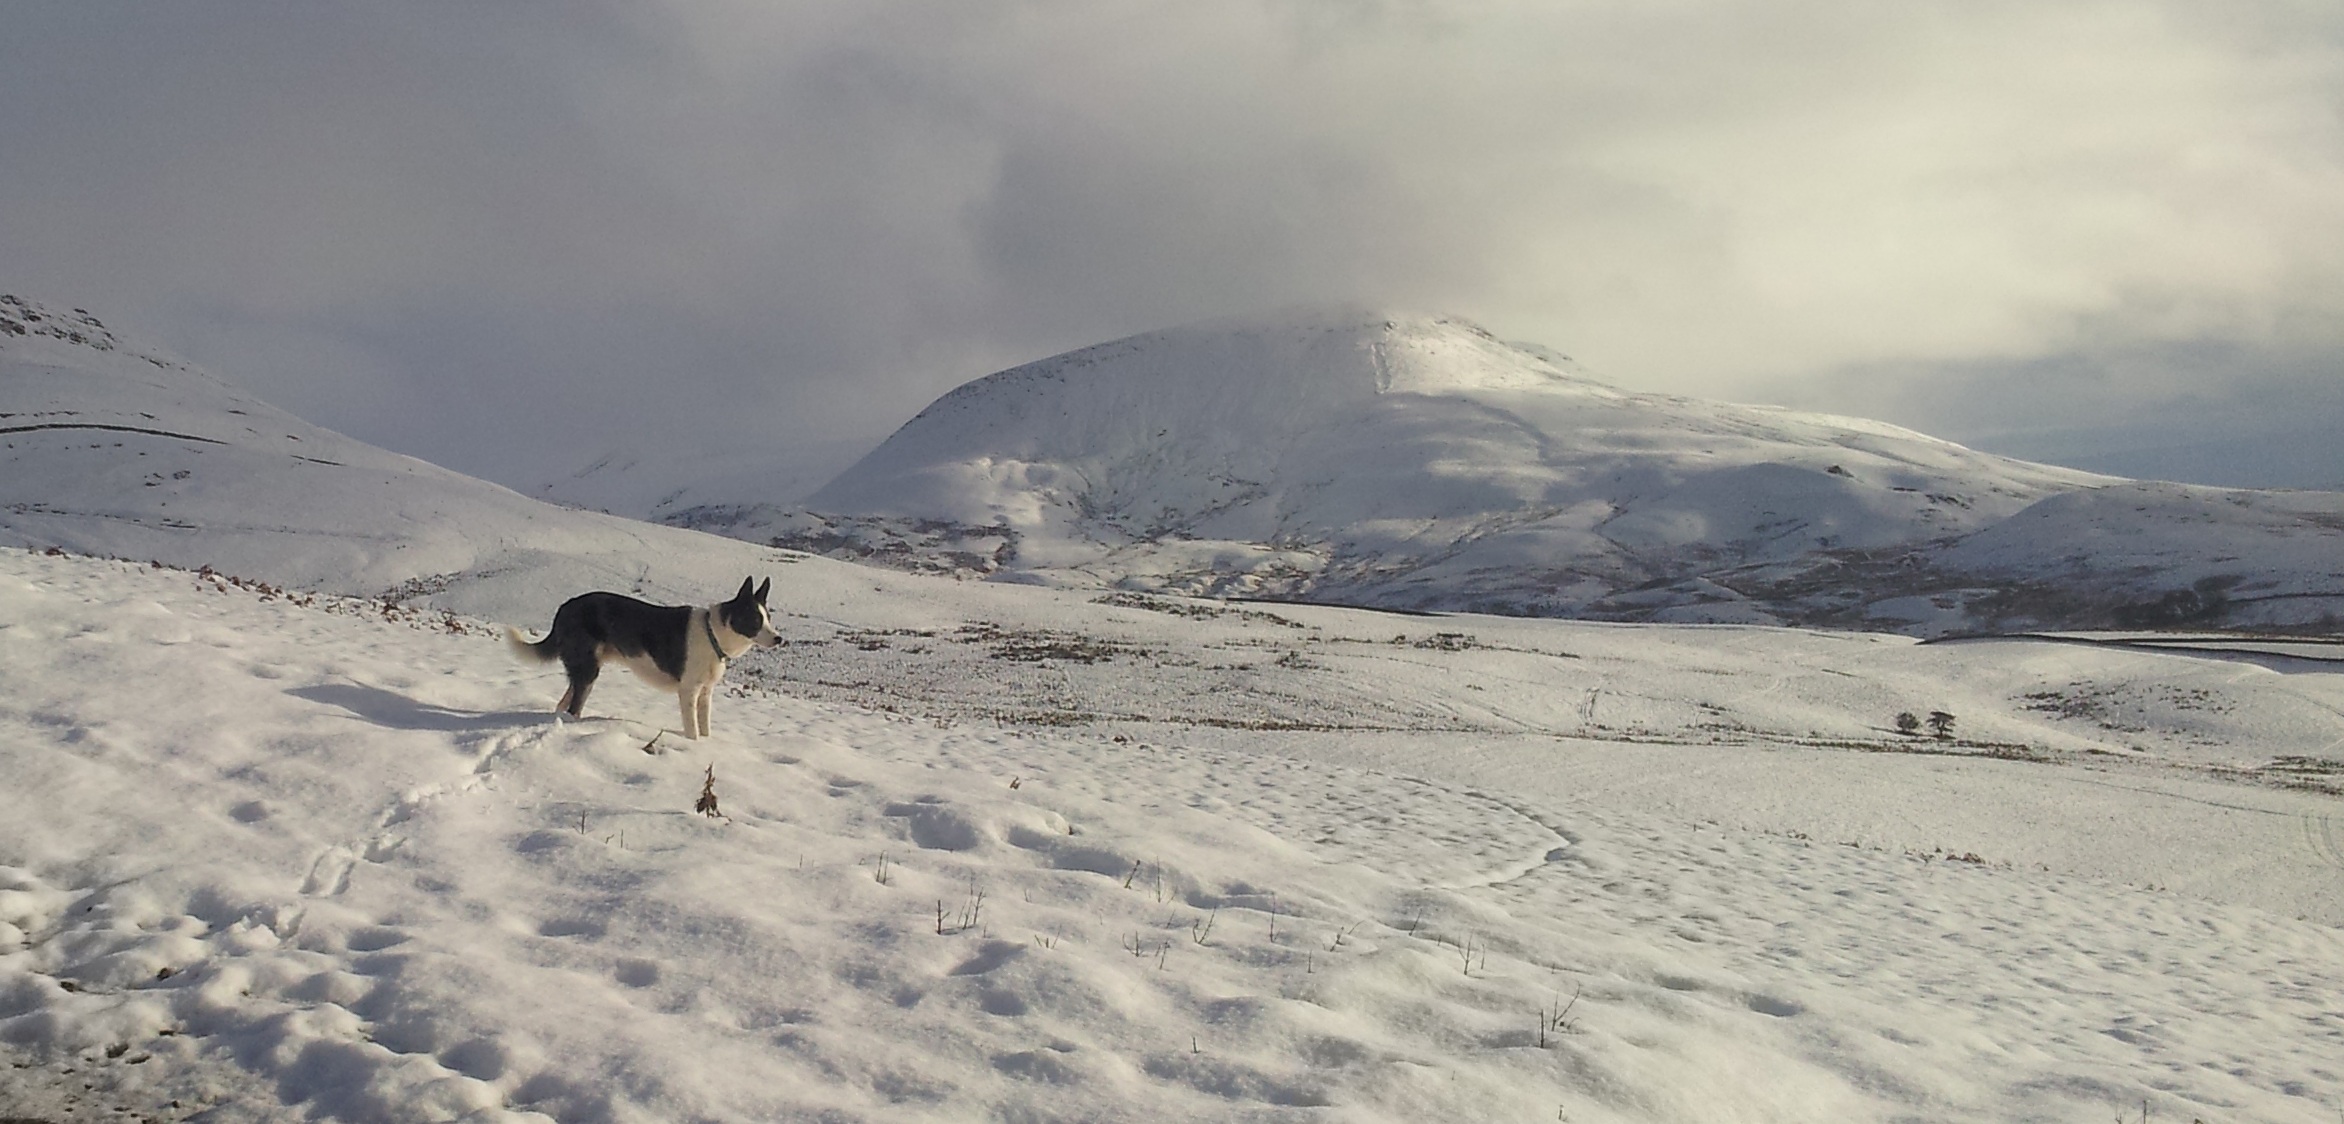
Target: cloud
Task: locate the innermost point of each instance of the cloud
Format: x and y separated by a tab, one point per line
505	237
2208	412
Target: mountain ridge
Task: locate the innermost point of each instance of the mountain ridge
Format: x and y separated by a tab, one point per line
1392	463
112	448
1410	461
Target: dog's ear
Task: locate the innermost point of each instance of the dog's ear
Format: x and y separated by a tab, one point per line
764	588
743	595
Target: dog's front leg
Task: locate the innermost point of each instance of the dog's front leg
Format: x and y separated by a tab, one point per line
707	697
687	698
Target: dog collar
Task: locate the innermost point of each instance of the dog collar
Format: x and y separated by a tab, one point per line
708	626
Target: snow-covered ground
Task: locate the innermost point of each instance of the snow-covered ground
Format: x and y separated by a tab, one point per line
276	857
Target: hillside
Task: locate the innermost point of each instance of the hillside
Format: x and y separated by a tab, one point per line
111	448
993	851
1083	861
1420	463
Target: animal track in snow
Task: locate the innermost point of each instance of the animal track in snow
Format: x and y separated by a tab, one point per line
329	873
376	939
2321	836
571	927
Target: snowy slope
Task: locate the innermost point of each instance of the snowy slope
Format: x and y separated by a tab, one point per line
2176	553
655	483
113	449
274	857
1399	432
1405	461
1414	462
354	873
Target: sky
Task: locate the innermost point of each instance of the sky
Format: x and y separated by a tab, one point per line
510	238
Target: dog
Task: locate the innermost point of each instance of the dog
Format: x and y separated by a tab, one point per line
683	648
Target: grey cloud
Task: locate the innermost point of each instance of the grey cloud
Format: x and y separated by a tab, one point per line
2208	412
506	236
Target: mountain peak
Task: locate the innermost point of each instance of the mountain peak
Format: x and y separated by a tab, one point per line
30	329
1400	459
21	318
1223	396
1309	356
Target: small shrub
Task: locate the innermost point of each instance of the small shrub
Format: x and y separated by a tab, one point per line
707	803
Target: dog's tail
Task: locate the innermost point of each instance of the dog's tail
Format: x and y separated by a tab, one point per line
541	651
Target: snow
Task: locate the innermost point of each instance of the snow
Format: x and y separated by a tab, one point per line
654	483
2269	558
274	855
124	452
1353	456
301	861
1421	462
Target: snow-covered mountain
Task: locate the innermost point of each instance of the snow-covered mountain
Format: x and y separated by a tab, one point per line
654	483
988	851
1341	457
111	448
1419	462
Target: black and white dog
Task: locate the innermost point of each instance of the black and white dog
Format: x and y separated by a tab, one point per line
681	647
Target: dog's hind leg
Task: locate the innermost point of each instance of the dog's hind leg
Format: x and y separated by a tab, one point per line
582	676
574	699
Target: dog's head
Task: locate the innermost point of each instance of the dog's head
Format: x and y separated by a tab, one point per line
745	614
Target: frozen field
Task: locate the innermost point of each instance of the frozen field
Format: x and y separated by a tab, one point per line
1001	853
